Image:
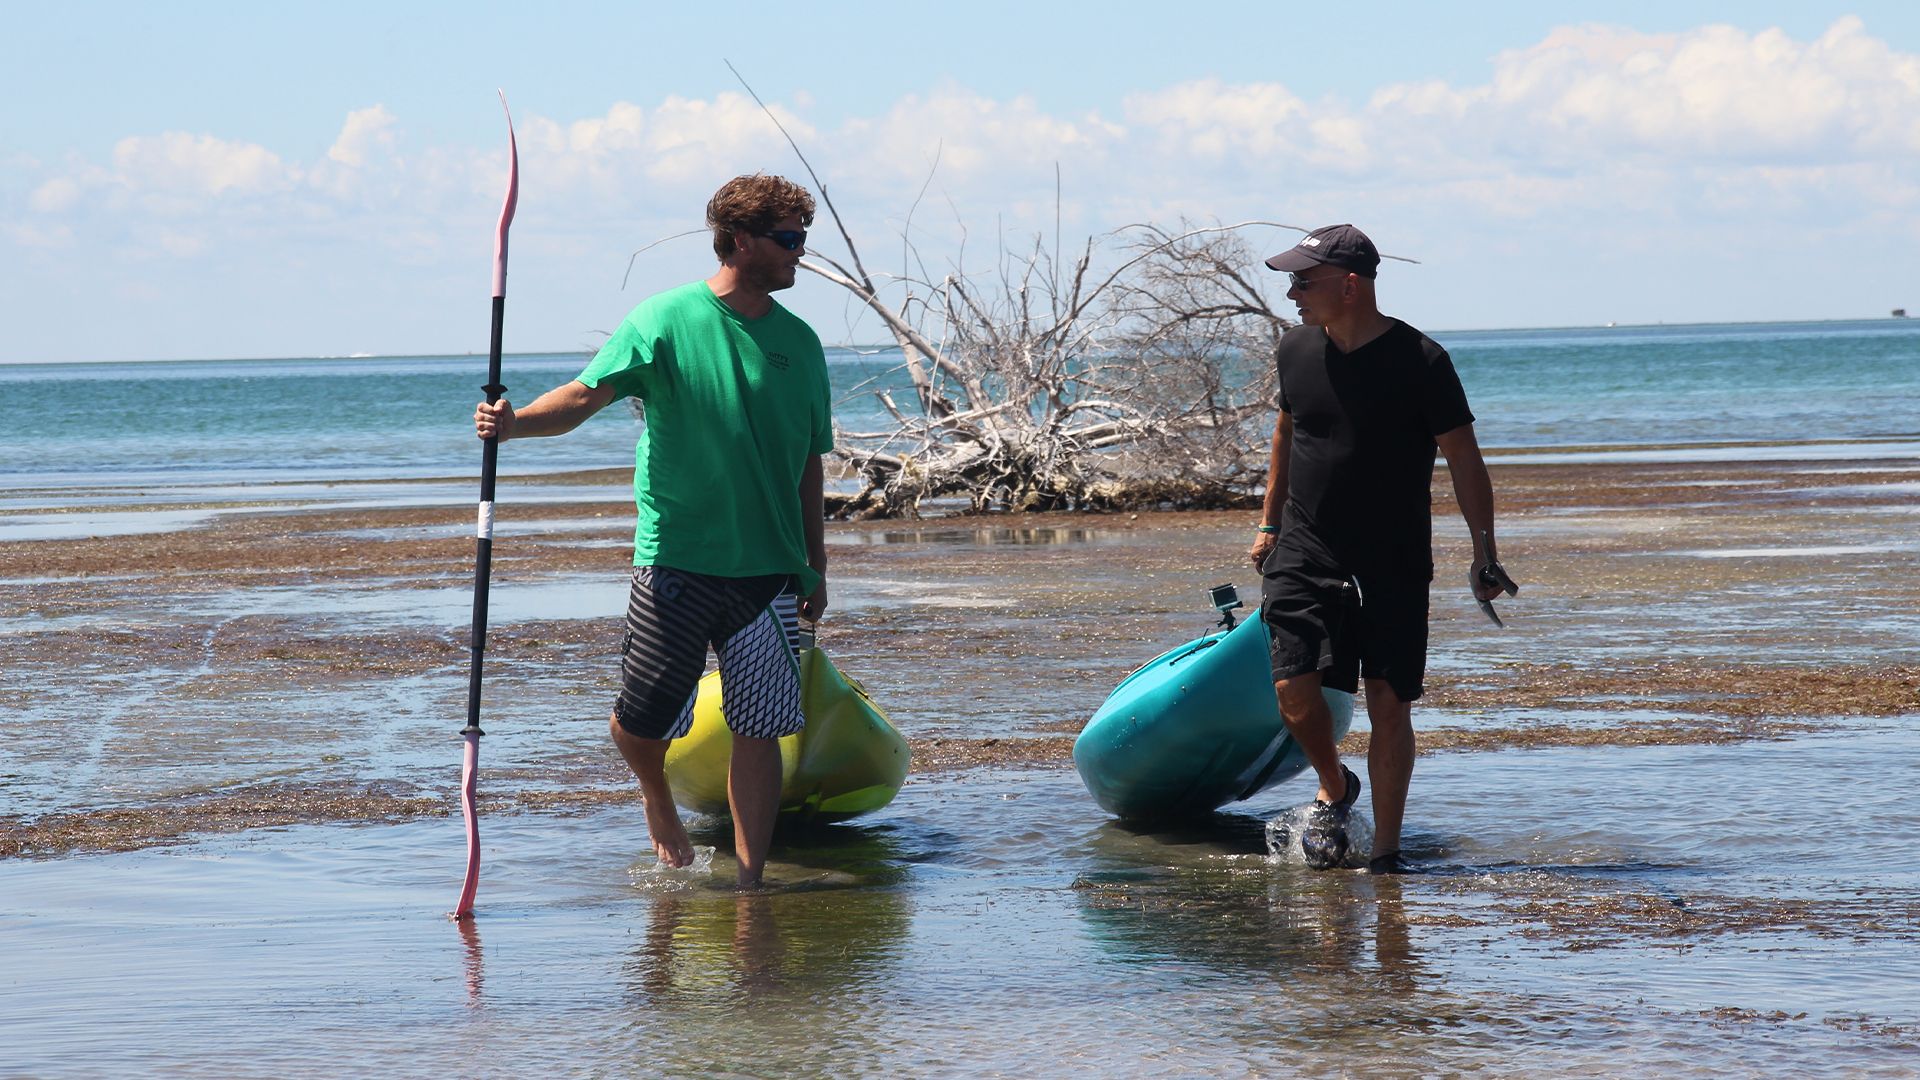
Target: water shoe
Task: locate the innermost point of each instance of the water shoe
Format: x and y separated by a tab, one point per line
1392	863
1324	841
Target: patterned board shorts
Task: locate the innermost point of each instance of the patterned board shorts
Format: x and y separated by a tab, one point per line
673	616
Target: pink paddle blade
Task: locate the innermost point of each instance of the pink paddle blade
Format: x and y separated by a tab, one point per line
506	209
468	777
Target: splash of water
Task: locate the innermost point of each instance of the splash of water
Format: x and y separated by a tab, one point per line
656	876
1285	829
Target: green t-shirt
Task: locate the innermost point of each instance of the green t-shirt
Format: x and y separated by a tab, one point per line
735	408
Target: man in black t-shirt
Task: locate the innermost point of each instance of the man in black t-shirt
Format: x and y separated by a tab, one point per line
1346	539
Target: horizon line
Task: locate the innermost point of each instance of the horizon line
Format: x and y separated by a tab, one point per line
882	346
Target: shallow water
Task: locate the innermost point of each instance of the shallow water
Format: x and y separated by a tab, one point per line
1739	908
1000	925
157	508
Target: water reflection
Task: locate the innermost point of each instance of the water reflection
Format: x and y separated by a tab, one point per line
475	960
829	927
1401	971
1205	893
704	946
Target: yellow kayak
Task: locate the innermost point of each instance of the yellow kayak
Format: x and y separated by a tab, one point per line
849	760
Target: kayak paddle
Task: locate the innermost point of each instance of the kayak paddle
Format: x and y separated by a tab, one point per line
483	542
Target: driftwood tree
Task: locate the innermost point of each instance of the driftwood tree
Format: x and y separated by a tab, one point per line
1150	384
1139	374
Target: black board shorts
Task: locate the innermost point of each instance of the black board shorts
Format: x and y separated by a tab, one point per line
1323	617
673	616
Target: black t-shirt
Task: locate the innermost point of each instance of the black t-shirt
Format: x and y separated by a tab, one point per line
1361	473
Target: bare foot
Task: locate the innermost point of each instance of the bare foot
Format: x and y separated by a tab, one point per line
647	758
670	841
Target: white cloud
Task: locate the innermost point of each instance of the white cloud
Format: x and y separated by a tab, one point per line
39	235
973	136
619	131
1726	140
681	141
181	244
366	131
1713	94
58	194
1210	120
1590	115
365	150
694	141
180	163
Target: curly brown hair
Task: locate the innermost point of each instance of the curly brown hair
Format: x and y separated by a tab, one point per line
754	204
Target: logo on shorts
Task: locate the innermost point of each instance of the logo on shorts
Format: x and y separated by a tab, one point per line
659	580
779	360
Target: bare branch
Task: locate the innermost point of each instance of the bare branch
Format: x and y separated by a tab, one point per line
906	227
650	247
826	199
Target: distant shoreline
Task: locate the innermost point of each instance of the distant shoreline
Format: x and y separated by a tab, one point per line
1875	319
882	346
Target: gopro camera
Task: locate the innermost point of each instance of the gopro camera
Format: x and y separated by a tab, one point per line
1225	598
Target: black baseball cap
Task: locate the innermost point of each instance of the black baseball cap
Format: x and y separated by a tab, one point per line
1331	245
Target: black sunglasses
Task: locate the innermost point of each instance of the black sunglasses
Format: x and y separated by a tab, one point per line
1301	283
791	239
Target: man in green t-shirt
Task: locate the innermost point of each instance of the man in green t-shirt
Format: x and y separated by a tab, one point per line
727	479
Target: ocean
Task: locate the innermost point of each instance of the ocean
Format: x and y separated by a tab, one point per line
1681	388
1664	815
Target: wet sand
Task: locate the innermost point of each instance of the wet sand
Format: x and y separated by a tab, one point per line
990	638
1658	809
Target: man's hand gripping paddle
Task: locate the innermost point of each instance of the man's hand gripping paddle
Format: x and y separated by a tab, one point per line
1492	575
483	543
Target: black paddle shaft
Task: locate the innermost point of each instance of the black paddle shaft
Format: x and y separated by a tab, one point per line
483	537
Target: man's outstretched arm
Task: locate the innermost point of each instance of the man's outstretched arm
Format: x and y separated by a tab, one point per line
555	412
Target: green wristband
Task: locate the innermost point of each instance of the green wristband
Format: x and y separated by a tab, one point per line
1269	529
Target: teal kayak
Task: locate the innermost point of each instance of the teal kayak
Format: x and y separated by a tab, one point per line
1196	728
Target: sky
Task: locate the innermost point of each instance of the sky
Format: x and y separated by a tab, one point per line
209	180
